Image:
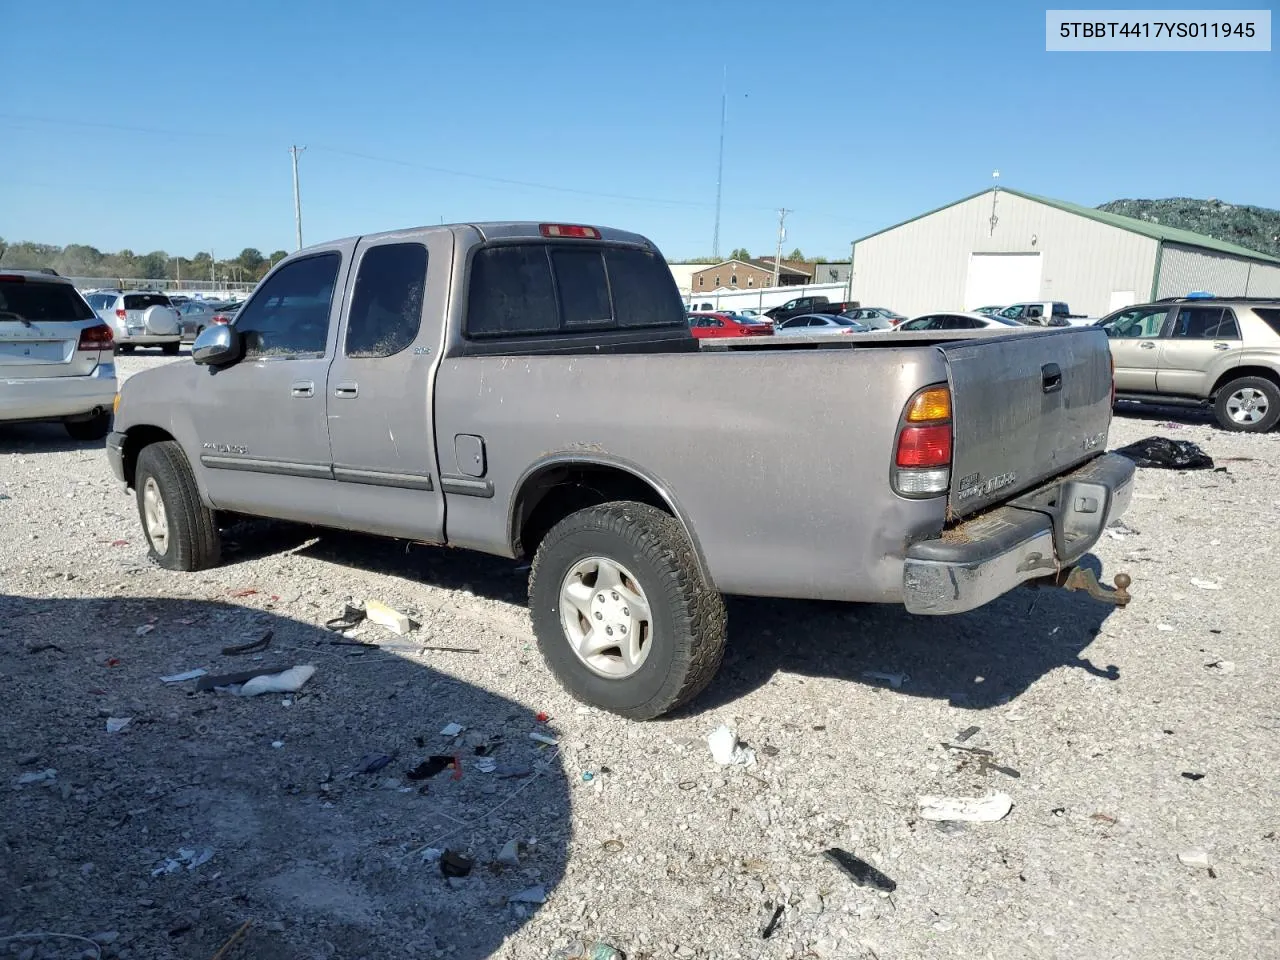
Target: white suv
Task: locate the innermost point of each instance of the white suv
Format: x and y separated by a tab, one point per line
57	360
140	318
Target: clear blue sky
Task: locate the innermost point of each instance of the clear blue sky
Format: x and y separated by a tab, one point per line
853	116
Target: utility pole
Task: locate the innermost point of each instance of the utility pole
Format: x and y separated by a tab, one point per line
297	197
849	297
724	96
212	261
782	235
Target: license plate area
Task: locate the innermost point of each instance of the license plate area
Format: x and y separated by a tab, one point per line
33	351
1076	508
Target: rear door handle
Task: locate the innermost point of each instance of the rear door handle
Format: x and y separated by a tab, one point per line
303	388
1222	346
346	390
1147	345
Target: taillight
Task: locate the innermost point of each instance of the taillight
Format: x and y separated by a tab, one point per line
121	313
220	318
569	230
922	460
97	337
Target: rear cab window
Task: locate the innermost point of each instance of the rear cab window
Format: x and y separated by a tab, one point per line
36	301
538	288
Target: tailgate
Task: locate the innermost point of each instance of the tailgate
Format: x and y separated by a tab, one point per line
1025	408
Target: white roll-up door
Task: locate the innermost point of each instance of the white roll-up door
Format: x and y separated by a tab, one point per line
1001	278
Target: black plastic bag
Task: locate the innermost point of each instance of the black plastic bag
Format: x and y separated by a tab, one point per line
1167	454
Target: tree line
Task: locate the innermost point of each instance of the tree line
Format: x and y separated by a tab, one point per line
81	260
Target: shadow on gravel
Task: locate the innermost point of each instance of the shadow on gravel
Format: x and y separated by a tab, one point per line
1191	416
323	859
42	438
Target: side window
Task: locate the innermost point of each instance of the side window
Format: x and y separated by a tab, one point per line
1197	323
289	315
386	307
1143	323
1269	316
1228	329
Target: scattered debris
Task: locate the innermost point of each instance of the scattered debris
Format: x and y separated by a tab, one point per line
1167	454
429	767
1193	776
727	751
452	730
1205	584
244	592
190	858
430	649
986	760
455	865
42	647
596	950
1119	530
1196	858
1106	818
772	925
395	621
143	630
253	646
895	680
587	776
119	543
116	724
510	853
351	617
966	734
486	765
534	894
37	776
195	674
1164	628
613	846
541	717
277	744
236	679
987	809
859	871
235	938
373	762
1221	666
544	738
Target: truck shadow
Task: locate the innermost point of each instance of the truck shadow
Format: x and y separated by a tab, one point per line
21	438
324	859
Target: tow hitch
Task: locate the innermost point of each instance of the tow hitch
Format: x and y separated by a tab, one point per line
1082	578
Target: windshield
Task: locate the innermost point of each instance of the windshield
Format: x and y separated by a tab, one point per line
1006	321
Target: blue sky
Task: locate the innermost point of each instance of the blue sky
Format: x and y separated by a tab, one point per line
853	116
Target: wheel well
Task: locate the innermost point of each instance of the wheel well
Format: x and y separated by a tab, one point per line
1237	373
552	494
136	438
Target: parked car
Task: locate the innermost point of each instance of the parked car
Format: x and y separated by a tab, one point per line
1045	313
800	306
815	323
1221	353
435	372
958	321
988	311
877	318
708	325
143	319
198	314
57	359
754	315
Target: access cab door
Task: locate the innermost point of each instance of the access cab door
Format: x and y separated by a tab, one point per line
378	393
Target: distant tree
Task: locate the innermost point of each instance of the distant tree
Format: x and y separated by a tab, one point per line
278	255
796	255
740	254
251	259
154	265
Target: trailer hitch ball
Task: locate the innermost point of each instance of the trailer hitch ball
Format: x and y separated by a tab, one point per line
1082	578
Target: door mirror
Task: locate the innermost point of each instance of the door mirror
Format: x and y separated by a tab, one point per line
216	346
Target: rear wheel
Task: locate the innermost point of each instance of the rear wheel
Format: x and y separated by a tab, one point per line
622	615
170	348
1250	404
95	428
179	528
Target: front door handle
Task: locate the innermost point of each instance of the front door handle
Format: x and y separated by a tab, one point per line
1222	346
303	388
346	390
1147	345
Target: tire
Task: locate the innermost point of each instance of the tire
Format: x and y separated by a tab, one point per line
1248	405
170	348
89	430
191	541
685	629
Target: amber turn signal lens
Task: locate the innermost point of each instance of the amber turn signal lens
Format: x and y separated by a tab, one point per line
930	405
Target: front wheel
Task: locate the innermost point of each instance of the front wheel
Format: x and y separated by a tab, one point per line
180	529
1250	405
622	615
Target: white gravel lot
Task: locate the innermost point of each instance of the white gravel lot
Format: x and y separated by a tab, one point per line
638	838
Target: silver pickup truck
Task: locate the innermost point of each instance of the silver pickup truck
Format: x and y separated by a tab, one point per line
533	390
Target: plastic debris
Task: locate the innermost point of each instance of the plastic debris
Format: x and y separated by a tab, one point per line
966	734
373	762
429	767
351	617
1196	858
253	646
395	621
544	738
452	730
486	765
234	680
244	592
985	758
116	724
534	894
1205	584
277	744
895	680
727	751
1166	454
143	630
541	717
1188	775
859	871
587	776
510	853
47	775
1119	530
290	681
987	809
432	855
1164	628
596	950
184	677
772	925
455	865
613	846
1221	666
190	858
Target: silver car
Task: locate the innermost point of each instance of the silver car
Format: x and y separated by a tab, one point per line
811	323
960	320
57	360
140	318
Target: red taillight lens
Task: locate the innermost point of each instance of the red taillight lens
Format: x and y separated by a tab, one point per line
220	318
97	337
121	313
569	230
924	447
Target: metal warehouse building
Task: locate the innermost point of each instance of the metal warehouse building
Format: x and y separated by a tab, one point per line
1002	246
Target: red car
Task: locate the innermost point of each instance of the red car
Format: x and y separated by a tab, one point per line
705	325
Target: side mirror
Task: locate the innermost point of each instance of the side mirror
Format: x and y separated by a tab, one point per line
216	345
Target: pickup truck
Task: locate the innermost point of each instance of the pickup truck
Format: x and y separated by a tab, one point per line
1045	313
802	305
533	391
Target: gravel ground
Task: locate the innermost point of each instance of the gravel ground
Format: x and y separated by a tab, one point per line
637	837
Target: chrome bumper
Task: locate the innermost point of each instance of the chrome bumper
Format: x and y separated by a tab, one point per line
1033	536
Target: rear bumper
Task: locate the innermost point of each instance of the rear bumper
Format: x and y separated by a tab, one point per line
1032	536
53	398
148	339
115	454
